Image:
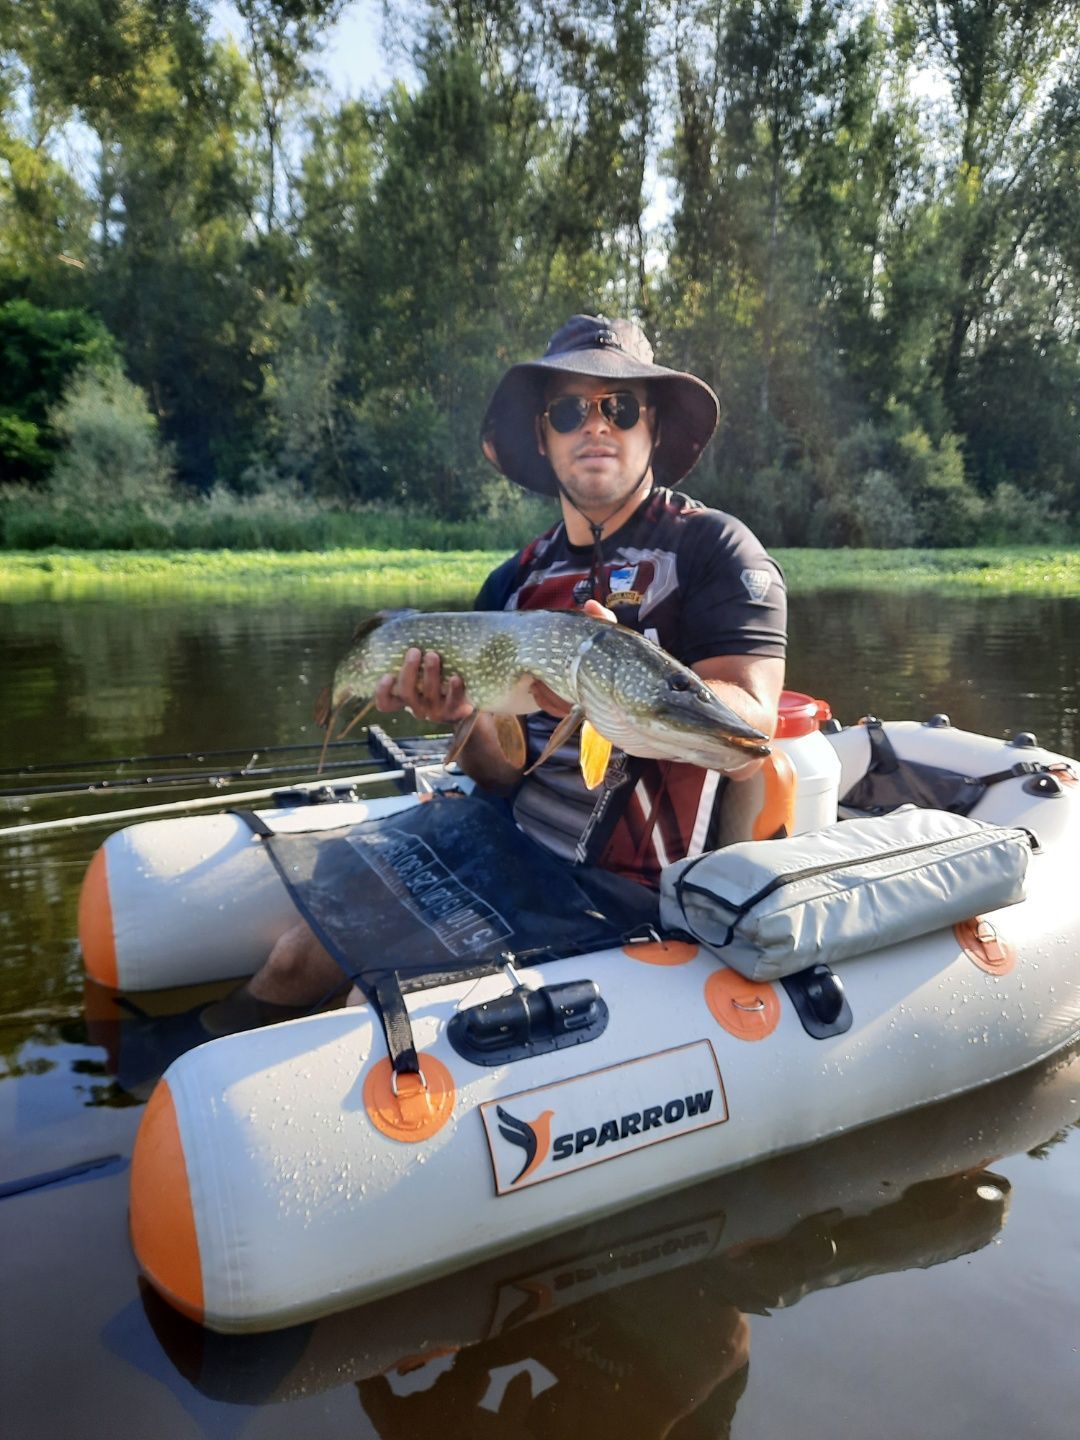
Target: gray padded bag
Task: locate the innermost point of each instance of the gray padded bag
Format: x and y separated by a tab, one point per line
770	908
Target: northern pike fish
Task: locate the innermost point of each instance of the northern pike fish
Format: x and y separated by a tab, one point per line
622	688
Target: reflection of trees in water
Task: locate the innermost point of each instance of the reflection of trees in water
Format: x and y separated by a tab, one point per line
40	968
117	669
124	676
993	663
90	680
1040	1152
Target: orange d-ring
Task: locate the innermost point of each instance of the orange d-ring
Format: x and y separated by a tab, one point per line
407	1107
745	1008
662	952
982	944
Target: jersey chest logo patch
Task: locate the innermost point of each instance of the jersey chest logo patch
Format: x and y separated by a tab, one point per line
756	583
621	586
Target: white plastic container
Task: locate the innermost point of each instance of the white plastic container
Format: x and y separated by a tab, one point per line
817	765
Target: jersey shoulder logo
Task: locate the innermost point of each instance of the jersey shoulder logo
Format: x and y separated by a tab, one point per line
756	583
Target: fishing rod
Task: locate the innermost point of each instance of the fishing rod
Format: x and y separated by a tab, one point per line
176	778
117	760
205	802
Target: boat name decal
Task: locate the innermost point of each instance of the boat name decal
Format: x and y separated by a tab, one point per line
540	1134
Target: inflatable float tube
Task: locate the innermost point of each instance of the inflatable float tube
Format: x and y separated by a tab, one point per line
913	1191
280	1174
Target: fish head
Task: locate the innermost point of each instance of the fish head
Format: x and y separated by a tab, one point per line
643	700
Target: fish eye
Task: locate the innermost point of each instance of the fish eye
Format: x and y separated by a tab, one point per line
679	682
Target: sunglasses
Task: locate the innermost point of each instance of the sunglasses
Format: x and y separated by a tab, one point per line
569	412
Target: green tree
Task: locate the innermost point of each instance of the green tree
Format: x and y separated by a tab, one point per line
40	350
111	455
281	39
756	86
999	60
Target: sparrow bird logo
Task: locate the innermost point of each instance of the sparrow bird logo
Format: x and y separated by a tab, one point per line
533	1137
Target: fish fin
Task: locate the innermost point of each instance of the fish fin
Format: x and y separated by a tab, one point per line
511	739
372	622
368	625
559	736
331	716
462	731
323	706
356	719
595	754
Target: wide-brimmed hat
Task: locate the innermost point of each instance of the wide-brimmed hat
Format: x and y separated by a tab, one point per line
602	349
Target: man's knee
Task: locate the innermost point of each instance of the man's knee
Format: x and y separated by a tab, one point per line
298	969
294	953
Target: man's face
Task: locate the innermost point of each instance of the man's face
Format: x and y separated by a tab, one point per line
597	463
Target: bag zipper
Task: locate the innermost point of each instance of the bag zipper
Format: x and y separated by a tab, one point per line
739	910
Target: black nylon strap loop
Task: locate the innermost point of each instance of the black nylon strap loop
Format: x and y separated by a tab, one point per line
883	758
390	1004
255	823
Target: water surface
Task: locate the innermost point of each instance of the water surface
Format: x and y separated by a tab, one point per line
917	1279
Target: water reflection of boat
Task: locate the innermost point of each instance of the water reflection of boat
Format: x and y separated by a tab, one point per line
284	1173
652	1304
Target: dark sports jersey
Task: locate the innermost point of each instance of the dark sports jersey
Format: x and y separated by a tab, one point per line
699	583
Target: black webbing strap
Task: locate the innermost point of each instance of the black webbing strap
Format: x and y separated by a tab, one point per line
922	783
883	758
255	823
1022	767
397	1027
617	786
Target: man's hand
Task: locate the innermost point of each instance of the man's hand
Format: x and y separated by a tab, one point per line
419	687
547	699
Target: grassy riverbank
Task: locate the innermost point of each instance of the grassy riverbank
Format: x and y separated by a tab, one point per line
426	574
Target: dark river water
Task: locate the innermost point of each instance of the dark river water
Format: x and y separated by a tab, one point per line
917	1278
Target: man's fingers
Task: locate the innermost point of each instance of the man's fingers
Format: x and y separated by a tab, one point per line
408	679
455	693
420	687
599	612
430	680
386	696
548	700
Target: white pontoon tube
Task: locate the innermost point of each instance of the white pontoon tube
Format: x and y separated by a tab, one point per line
286	1173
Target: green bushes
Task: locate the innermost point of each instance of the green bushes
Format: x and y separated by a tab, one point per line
274	520
111	457
885	486
881	487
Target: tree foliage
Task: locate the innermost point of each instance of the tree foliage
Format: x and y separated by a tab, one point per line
110	452
868	242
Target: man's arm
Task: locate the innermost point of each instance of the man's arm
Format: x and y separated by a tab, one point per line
751	686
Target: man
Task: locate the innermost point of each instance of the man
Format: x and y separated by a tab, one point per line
596	422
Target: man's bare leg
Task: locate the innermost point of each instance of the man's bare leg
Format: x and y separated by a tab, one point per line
297	974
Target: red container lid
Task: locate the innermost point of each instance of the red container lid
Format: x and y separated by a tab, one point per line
800	715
